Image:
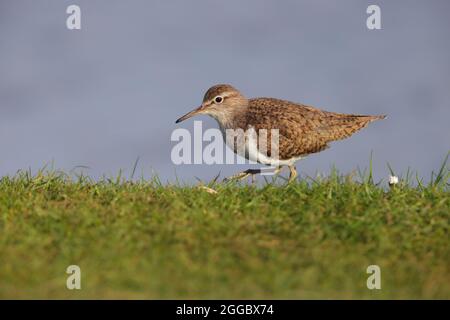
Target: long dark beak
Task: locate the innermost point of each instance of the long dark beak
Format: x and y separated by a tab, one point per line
190	114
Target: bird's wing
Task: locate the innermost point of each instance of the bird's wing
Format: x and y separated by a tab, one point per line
302	129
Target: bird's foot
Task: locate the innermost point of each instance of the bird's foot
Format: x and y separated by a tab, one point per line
242	175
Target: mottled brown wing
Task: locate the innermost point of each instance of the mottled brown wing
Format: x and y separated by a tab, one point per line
302	129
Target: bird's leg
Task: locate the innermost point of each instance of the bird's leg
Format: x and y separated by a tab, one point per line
277	171
243	175
251	172
293	173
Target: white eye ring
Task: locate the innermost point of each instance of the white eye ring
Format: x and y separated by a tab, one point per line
218	99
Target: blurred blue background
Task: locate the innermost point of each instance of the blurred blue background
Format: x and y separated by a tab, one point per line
107	94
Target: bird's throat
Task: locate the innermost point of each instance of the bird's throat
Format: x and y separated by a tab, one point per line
231	119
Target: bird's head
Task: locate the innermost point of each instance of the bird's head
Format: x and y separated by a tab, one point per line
221	102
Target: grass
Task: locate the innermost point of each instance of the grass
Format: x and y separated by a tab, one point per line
312	239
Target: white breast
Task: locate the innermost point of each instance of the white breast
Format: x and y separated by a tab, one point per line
250	150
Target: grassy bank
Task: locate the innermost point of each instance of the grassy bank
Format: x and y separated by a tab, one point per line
146	240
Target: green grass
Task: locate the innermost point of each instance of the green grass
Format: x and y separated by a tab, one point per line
312	239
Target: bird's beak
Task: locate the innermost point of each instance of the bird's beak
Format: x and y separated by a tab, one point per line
191	114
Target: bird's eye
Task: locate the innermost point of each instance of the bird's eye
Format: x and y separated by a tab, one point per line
218	99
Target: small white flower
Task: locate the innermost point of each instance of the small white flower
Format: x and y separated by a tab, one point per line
393	180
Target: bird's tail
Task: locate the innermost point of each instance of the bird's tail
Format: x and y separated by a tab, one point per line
345	125
373	118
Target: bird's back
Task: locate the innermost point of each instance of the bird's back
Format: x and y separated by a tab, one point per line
302	129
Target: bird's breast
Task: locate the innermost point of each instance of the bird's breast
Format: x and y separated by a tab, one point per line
246	143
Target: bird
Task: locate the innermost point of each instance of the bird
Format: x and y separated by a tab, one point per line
302	129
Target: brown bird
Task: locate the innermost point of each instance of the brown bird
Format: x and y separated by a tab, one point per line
302	130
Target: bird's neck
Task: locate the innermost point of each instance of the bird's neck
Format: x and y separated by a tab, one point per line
232	118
